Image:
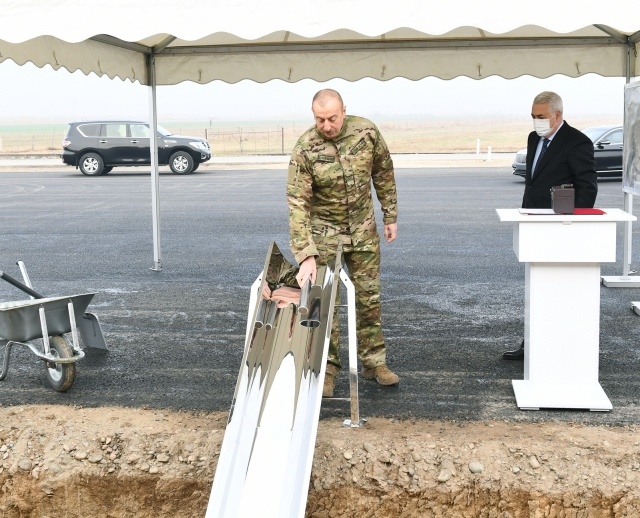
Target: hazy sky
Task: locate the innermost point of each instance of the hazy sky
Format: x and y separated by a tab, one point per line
30	94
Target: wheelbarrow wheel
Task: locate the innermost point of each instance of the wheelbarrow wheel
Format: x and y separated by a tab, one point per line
60	375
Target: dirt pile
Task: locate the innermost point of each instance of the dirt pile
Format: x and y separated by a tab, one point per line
59	461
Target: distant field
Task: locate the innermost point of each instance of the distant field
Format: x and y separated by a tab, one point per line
278	137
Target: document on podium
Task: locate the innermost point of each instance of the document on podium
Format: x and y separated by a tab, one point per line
537	211
583	212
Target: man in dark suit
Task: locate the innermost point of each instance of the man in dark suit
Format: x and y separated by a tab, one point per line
556	154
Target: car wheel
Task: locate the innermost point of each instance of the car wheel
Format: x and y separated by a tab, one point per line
181	162
91	164
107	170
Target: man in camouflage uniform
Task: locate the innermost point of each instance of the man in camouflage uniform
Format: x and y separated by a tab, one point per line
332	168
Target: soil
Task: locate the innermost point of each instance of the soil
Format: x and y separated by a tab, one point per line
61	461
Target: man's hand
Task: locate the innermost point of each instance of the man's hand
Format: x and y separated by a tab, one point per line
285	296
307	271
391	232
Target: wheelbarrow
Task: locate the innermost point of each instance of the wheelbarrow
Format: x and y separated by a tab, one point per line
41	324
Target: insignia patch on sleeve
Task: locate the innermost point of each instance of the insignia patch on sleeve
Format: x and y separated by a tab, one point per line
361	143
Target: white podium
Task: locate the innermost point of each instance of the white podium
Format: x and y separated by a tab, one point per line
562	255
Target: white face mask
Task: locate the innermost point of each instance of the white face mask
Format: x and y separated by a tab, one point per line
541	126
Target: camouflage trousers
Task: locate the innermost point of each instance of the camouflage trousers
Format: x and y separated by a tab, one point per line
364	272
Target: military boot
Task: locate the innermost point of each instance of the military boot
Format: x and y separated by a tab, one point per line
381	374
330	380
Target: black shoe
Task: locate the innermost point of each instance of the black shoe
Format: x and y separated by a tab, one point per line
518	354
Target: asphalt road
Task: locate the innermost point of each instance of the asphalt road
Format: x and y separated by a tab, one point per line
453	290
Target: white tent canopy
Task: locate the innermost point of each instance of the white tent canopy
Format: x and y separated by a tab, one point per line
164	42
296	39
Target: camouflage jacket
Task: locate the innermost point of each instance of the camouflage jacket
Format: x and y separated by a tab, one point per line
329	189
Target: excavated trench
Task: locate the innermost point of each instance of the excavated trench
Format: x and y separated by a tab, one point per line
119	463
146	497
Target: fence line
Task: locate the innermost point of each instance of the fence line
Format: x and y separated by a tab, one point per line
32	142
226	140
247	142
241	141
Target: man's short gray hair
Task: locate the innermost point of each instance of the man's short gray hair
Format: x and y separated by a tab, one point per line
551	98
324	95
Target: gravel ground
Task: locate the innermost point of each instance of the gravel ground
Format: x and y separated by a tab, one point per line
452	302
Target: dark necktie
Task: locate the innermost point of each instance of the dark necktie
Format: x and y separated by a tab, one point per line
545	144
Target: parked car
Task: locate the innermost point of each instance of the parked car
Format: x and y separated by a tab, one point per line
96	147
607	150
520	163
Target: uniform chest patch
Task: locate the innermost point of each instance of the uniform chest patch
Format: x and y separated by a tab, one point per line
361	143
326	158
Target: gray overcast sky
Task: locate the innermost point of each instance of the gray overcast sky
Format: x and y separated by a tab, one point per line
30	94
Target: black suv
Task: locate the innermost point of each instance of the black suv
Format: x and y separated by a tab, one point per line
97	147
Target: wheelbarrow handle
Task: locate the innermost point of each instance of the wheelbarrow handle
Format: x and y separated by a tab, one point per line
20	286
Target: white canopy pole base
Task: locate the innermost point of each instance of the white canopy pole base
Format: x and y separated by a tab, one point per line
625	280
620	282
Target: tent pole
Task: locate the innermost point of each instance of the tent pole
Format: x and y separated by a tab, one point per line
155	187
628	198
625	280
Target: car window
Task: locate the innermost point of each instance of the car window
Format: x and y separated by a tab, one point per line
139	130
89	130
115	130
614	138
592	133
